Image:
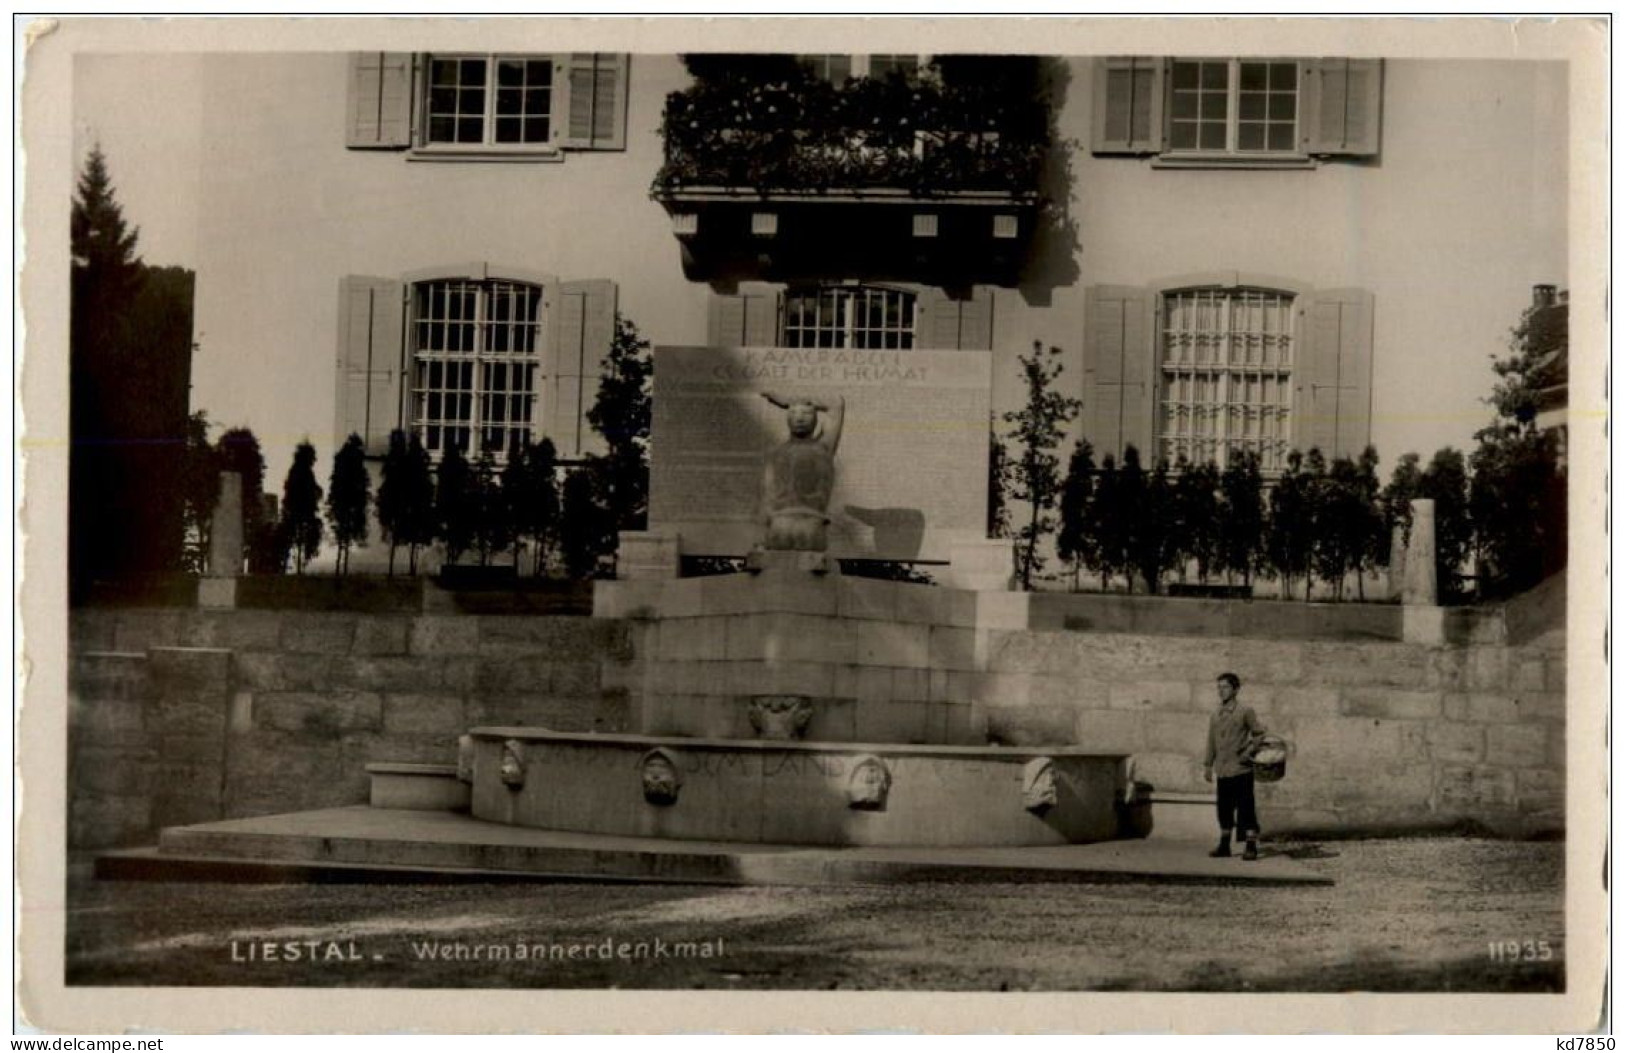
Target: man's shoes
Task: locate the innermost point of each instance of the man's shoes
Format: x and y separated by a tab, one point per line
1252	850
1223	851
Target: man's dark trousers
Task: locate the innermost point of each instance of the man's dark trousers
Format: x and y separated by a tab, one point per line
1236	808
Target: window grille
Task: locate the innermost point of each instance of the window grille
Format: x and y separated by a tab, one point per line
849	316
476	353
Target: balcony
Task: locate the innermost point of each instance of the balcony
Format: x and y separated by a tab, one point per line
930	175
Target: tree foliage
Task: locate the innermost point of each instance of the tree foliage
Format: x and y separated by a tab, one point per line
998	485
1518	500
349	494
301	526
456	510
130	350
1196	517
1035	473
493	529
406	498
1444	481
529	482
1287	535
1077	543
1240	518
239	451
587	524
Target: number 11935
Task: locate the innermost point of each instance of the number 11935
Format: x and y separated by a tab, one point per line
1521	951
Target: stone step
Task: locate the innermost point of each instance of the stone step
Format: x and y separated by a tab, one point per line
402	844
418	787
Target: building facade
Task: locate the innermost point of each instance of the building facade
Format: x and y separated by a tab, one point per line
1252	253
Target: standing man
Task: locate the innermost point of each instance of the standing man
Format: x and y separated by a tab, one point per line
1233	734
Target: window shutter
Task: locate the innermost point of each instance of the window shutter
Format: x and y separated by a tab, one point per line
593	111
380	101
583	330
1128	106
1343	104
369	360
950	324
746	318
1334	379
1117	371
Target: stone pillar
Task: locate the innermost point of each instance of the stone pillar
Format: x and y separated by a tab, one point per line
1424	618
219	588
1421	570
1396	562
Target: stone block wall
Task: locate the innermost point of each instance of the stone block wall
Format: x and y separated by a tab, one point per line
1383	735
187	716
181	716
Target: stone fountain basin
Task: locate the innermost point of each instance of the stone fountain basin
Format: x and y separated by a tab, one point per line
795	793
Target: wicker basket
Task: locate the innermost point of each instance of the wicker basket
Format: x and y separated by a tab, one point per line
1269	759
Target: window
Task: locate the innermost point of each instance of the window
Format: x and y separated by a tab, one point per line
849	316
480	107
488	100
1250	112
1234	106
476	354
1225	375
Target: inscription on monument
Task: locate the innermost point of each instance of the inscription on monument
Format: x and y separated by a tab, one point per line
912	468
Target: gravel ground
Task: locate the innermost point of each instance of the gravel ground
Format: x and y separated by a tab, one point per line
1405	915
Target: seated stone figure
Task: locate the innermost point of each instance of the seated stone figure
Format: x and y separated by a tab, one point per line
799	475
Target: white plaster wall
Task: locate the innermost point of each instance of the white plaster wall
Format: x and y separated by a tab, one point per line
1461	214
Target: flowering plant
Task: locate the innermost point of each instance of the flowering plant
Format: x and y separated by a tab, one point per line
776	126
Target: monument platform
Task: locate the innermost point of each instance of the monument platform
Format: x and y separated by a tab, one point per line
408	846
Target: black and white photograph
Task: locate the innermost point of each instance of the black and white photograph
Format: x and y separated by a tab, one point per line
1086	507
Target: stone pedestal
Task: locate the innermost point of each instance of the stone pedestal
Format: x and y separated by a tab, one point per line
217	593
648	555
982	566
1421	574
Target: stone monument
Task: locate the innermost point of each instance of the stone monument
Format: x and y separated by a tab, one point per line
218	588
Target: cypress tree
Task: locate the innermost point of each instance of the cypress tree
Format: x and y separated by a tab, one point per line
349	492
301	503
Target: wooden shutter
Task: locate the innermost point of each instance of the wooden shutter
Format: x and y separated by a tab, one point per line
1118	391
582	330
1342	106
748	317
947	323
370	360
1128	105
1333	406
592	106
379	106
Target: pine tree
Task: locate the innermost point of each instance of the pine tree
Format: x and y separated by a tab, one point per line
621	413
392	494
301	526
1287	533
1372	549
1106	525
586	528
1241	516
492	527
419	519
533	497
106	269
1153	545
1445	482
1036	472
349	493
456	517
1316	511
1076	543
1196	500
